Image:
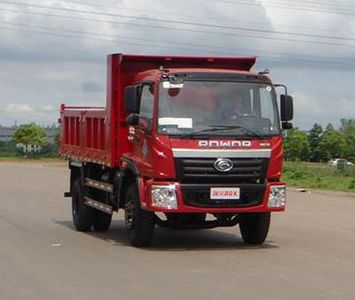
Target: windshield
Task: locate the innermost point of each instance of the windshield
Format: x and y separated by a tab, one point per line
195	108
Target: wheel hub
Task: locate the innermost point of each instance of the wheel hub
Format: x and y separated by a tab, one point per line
129	214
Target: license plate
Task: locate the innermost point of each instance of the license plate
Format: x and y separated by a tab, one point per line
225	193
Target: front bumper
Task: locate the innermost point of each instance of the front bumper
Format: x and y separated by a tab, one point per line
194	198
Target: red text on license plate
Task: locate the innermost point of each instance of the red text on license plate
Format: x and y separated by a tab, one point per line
225	193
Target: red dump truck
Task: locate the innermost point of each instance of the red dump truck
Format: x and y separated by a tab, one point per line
183	142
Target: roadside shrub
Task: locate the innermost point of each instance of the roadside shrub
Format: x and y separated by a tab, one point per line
343	170
49	150
319	181
320	176
296	173
9	149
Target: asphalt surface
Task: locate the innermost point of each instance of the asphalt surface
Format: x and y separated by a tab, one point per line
309	253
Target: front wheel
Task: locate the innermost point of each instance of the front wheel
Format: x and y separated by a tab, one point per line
139	223
254	227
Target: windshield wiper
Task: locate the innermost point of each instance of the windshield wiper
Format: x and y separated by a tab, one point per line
222	128
246	130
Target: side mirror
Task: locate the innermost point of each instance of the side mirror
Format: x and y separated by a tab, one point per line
286	107
287	125
132	120
132	99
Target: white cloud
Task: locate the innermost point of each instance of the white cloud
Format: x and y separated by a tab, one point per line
47	108
18	108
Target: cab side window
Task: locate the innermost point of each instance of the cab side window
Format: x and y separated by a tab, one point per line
267	109
147	97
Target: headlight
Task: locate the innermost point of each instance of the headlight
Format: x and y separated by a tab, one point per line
164	196
277	197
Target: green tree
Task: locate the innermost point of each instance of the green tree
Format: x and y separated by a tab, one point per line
30	135
329	127
296	145
332	144
314	137
348	130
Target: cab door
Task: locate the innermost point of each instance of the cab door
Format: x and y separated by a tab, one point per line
142	142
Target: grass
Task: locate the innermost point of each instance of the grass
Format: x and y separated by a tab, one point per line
319	176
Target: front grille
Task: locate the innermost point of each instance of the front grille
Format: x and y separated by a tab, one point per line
199	195
201	170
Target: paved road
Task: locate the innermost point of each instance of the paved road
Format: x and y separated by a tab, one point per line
309	254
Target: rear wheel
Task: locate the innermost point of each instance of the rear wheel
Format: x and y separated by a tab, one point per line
83	215
102	221
254	227
139	223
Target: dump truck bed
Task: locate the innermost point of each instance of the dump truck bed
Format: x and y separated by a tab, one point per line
85	134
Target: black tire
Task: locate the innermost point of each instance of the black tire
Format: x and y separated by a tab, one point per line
102	221
254	227
83	215
139	223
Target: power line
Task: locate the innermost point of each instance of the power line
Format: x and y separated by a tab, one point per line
90	4
334	5
314	3
219	33
189	45
256	30
306	3
129	38
287	7
74	34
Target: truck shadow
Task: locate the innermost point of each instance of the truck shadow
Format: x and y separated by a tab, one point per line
178	240
203	239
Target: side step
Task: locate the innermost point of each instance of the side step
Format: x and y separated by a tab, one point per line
106	187
98	205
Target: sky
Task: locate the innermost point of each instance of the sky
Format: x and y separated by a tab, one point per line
54	52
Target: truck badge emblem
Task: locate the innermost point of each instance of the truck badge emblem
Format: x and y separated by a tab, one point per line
223	165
